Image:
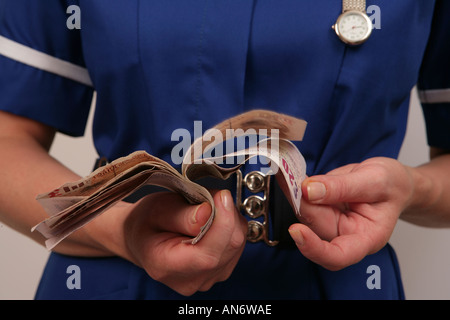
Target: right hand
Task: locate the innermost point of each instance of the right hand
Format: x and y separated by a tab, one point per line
156	226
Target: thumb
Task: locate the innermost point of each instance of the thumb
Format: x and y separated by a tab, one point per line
355	186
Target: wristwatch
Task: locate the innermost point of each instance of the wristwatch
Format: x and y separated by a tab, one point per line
353	26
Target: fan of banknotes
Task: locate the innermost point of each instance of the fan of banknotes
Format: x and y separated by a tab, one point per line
76	203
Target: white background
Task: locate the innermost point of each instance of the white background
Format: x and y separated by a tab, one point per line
423	253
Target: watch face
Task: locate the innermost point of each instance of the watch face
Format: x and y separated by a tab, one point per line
353	27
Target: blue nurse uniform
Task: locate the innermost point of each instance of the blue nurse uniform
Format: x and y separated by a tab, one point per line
160	65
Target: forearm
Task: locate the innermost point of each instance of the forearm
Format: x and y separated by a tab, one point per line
28	170
430	202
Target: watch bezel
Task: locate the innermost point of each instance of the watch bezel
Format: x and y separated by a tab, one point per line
346	40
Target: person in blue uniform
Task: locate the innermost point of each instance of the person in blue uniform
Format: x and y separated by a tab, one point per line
161	65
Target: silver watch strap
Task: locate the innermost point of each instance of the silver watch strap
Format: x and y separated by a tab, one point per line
356	5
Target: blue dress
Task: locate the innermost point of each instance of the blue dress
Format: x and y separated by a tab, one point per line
160	65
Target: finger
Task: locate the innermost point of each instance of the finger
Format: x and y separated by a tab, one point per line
171	212
337	254
240	223
217	240
227	256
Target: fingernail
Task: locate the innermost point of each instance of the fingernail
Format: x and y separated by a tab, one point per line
316	191
297	236
194	215
227	200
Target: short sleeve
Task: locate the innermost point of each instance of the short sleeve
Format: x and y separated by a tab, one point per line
31	91
434	79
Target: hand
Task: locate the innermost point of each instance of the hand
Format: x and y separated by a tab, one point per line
154	231
351	211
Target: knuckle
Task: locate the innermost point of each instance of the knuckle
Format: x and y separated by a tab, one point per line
337	190
380	182
187	290
210	283
239	236
206	262
237	240
159	276
380	177
205	287
335	265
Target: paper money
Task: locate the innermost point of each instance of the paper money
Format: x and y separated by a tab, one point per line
76	203
286	127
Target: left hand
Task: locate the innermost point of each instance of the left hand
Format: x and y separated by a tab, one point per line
351	211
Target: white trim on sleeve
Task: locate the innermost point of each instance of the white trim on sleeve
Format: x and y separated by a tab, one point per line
434	96
43	61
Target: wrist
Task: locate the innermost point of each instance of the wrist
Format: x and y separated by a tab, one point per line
103	236
424	196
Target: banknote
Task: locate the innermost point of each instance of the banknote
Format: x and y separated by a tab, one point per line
75	203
